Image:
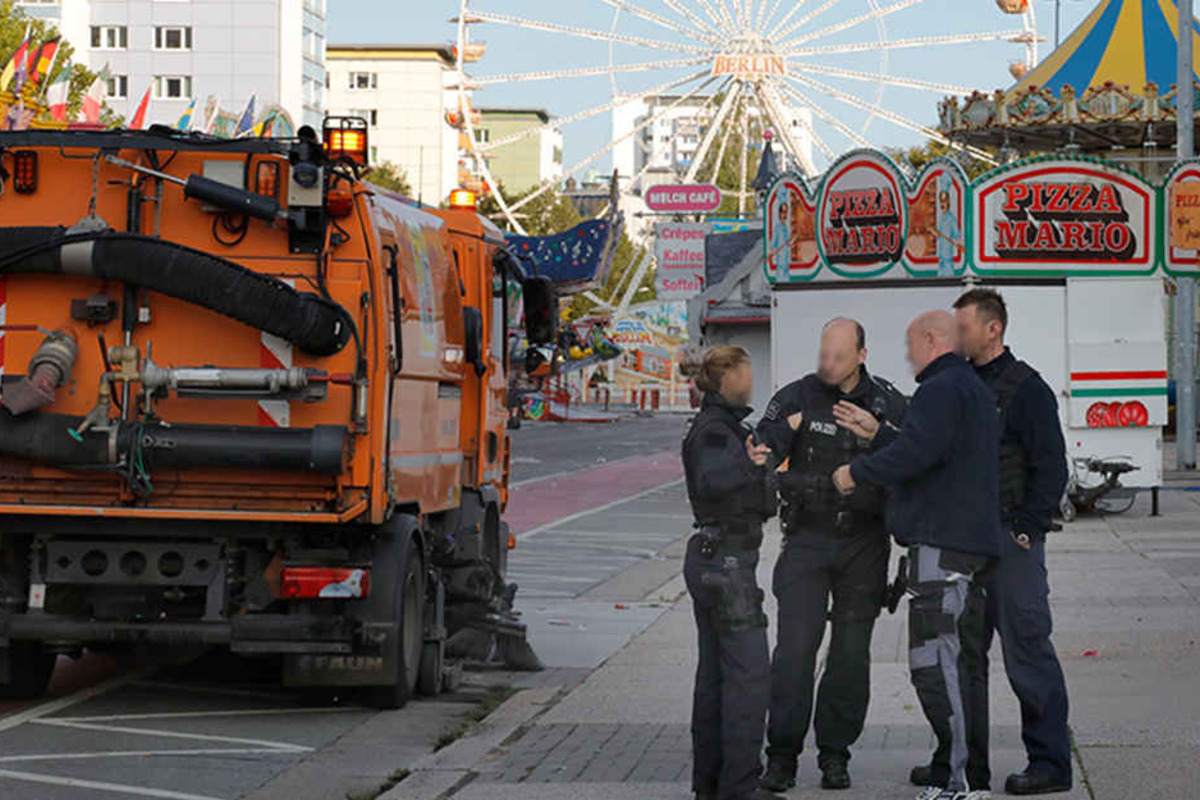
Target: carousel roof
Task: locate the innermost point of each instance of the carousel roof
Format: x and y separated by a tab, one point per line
1127	42
1106	87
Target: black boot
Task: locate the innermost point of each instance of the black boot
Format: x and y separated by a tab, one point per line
1031	782
835	773
780	775
929	775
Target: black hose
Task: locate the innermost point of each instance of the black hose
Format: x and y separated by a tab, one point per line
316	325
45	438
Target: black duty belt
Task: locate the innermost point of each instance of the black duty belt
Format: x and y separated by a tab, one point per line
733	536
833	523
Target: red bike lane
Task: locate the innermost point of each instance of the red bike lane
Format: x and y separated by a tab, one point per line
541	502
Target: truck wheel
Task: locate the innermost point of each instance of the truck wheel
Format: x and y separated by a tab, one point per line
410	633
29	671
432	663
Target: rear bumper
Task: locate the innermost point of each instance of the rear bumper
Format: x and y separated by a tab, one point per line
202	515
257	633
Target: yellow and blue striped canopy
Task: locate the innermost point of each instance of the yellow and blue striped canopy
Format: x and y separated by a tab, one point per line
1128	42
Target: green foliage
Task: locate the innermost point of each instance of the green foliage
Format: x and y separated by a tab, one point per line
626	260
545	214
391	177
921	155
13	21
729	173
551	213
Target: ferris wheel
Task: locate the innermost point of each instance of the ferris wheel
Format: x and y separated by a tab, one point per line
815	74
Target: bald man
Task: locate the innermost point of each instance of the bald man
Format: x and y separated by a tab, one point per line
835	546
943	466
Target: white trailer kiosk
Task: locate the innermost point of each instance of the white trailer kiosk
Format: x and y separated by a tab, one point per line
1077	246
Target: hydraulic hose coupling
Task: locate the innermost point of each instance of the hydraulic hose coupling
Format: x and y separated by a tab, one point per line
48	369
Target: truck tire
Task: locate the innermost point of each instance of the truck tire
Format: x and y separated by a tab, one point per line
409	619
433	662
29	671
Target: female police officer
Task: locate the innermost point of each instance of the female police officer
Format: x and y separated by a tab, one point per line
730	496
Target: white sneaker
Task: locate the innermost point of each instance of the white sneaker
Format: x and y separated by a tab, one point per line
935	793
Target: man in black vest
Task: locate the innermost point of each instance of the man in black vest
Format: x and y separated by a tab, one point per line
835	545
1013	601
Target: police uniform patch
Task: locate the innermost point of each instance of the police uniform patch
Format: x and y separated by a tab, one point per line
772	412
826	428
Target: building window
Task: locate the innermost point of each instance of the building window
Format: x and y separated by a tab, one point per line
364	80
172	87
371	115
314	93
314	45
118	87
315	7
483	135
110	37
173	38
374	154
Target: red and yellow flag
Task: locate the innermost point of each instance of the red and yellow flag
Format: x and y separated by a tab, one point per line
44	61
10	69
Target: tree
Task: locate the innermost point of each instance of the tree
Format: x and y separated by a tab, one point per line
13	22
917	157
729	174
546	214
391	177
626	259
551	213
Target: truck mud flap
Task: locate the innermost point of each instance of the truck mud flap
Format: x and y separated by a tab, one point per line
375	660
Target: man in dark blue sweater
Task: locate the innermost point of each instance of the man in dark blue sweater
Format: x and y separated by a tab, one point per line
942	465
1014	597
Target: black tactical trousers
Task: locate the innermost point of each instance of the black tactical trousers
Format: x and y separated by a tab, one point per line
1012	599
812	568
729	705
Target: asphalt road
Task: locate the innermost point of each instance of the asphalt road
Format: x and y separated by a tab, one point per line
544	449
221	728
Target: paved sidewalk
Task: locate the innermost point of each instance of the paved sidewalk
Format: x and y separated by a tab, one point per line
1126	597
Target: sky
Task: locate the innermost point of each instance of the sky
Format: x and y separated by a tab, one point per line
515	50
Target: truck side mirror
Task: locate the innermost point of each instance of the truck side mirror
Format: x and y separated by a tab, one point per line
473	330
541	310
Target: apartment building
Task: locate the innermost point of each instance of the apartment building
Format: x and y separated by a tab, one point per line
273	50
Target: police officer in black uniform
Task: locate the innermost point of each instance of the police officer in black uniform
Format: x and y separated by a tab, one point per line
835	545
731	498
1014	597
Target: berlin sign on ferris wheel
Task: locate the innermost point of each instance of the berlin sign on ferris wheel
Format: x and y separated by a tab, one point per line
813	72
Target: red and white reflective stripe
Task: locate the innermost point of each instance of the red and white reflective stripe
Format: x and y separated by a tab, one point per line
3	318
275	353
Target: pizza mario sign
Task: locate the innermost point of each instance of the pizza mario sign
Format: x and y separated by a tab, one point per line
1040	218
1046	216
863	216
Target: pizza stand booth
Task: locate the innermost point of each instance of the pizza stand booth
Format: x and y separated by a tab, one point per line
1082	250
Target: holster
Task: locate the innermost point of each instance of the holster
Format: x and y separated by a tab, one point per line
739	603
897	588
